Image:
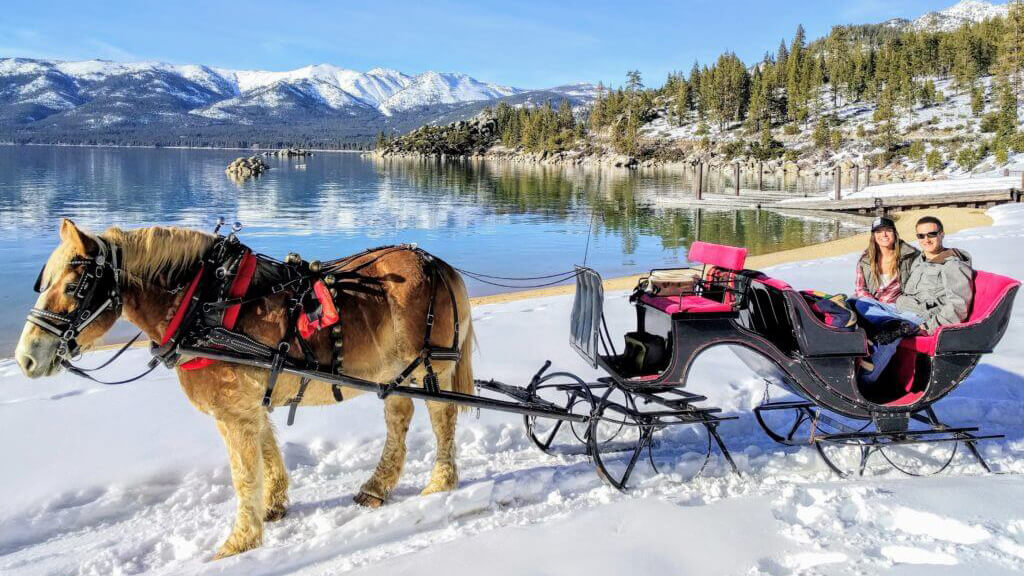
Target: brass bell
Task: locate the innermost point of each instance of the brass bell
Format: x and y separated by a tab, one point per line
338	344
329	279
314	266
340	358
336	331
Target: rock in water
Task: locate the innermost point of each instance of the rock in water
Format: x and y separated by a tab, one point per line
242	168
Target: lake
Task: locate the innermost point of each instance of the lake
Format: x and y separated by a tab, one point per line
498	219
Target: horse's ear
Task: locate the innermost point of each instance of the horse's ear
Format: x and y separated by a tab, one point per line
80	241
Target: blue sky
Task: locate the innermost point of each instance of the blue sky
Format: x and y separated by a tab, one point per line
529	44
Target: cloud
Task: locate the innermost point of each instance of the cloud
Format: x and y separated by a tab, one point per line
107	51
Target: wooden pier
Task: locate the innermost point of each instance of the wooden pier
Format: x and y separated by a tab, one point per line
833	199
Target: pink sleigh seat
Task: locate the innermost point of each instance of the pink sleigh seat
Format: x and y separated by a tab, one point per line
728	258
989	291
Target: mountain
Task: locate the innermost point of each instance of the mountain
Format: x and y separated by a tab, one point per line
154	103
953	17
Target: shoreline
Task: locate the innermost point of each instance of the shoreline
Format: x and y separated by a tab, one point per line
953	220
153	147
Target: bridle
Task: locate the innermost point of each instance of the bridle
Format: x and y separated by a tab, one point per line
98	289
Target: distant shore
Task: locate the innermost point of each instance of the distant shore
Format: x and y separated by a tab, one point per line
154	147
953	219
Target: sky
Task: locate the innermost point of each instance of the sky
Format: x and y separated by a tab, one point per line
522	43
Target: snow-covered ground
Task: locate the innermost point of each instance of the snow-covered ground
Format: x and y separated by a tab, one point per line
927	188
955	186
131	479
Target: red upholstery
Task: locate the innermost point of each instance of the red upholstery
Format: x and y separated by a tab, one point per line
728	257
989	290
907	399
773	282
692	304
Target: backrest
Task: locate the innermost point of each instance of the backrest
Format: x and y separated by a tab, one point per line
728	257
989	289
587	310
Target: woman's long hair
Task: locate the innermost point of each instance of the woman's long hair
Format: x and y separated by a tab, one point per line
875	257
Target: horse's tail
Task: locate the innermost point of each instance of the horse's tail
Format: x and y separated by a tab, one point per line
462	381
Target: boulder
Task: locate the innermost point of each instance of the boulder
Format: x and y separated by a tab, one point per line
242	168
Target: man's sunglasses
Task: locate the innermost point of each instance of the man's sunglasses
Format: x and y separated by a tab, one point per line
934	234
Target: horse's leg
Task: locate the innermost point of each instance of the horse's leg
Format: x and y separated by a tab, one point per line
444	476
242	436
397	414
275	476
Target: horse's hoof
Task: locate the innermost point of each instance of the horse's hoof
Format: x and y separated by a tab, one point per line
275	513
236	545
368	500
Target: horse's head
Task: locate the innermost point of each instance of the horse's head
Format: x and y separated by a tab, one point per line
79	300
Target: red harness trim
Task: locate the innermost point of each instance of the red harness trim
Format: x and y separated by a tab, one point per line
239	286
328	313
179	314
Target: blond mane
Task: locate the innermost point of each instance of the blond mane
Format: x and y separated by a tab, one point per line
157	255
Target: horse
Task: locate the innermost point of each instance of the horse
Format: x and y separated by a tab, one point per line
383	332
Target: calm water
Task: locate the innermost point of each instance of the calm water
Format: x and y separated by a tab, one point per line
495	219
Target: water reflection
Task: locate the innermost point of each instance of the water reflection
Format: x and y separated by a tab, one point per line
494	218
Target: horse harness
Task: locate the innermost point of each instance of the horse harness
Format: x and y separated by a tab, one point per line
212	300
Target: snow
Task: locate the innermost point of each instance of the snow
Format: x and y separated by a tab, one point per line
382	88
132	479
957	15
442	88
929	188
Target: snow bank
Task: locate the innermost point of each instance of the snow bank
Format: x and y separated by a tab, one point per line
131	479
933	187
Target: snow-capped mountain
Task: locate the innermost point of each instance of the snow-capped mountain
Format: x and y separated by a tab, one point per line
45	99
955	16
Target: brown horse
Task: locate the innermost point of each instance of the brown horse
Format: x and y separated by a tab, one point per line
382	334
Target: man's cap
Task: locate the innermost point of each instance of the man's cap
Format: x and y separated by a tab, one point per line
882	222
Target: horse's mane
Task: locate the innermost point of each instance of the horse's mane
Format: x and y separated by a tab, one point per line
159	255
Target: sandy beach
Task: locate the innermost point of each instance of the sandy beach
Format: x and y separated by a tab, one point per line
953	219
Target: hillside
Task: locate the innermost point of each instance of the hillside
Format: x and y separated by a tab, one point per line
932	97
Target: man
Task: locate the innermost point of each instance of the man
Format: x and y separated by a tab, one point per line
939	288
938	291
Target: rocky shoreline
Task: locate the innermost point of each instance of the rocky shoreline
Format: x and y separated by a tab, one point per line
605	159
477	140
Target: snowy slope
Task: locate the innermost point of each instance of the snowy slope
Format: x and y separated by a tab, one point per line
432	88
131	479
959	14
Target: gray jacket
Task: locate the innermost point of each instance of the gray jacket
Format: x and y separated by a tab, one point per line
939	290
908	254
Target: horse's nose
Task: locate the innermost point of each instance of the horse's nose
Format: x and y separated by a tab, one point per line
27	363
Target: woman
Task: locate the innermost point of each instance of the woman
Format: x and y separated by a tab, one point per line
885	265
881	272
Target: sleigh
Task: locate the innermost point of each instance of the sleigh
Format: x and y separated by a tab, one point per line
776	333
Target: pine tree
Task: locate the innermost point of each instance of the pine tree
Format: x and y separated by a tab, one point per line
797	99
1007	124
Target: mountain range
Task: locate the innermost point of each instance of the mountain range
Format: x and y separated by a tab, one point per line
156	103
102	102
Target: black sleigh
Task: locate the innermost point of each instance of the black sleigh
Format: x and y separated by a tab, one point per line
774	331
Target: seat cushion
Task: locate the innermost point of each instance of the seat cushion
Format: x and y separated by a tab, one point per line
691	304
